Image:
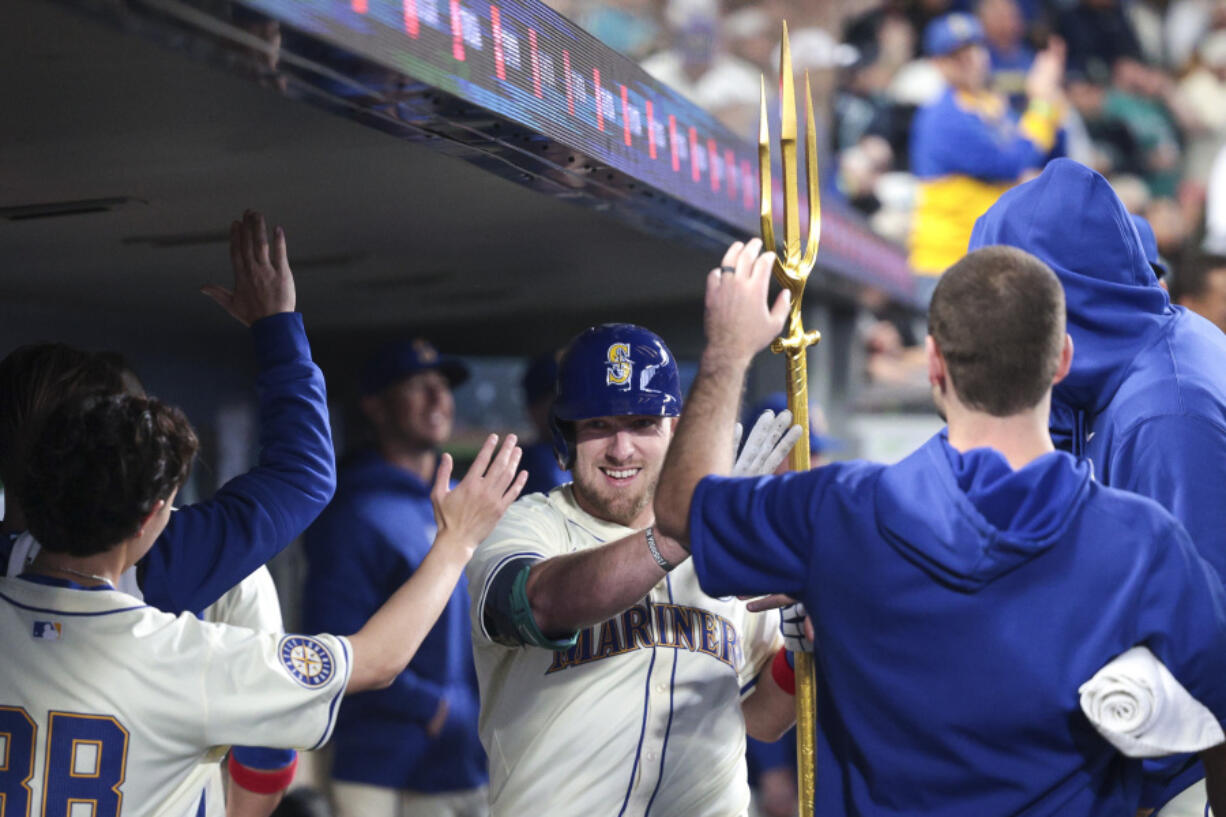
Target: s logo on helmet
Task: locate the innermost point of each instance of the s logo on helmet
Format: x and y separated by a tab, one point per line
620	367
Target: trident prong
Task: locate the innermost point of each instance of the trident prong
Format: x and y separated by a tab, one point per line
766	190
811	168
787	148
792	267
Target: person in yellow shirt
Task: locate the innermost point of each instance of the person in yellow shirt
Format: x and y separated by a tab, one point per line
967	146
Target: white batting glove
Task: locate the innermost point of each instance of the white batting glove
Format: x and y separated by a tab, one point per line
793	628
770	440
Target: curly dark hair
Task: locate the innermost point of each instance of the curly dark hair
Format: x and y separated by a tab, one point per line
99	466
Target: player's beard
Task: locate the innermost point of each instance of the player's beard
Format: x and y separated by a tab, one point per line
622	507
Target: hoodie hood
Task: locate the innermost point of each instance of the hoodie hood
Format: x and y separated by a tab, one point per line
968	518
1071	219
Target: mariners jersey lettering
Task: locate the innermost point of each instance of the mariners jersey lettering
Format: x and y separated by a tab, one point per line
642	715
660	625
128	707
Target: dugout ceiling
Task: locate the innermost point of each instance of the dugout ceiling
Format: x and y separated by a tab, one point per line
127	146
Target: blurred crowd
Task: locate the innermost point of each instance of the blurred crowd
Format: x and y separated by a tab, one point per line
928	110
1140	97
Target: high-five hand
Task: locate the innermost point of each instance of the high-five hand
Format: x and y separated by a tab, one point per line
738	321
263	282
467	513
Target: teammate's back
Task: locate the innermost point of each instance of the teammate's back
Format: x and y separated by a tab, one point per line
956	618
962	597
109	700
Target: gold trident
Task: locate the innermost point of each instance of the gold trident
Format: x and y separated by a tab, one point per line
792	272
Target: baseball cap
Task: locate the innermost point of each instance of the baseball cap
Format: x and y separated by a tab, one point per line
947	34
398	359
777	402
1150	243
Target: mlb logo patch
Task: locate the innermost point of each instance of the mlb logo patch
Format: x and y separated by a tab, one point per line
47	630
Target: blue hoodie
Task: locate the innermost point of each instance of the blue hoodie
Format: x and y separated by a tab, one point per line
958	606
1146	398
368	543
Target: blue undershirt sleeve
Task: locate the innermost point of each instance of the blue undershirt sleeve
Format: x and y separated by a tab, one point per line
263	759
210	546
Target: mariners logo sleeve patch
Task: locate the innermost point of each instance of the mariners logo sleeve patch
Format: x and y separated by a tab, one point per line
307	660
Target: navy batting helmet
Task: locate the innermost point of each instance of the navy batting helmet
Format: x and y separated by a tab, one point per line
615	369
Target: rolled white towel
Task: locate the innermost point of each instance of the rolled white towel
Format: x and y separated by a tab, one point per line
1142	710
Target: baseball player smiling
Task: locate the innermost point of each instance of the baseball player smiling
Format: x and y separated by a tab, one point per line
610	684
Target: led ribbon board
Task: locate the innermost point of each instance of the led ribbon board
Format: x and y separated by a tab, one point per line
523	61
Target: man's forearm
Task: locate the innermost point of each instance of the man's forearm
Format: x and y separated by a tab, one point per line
709	412
580	589
769	711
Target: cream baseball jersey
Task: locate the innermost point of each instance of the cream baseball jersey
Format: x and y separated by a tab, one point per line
109	707
642	715
252	603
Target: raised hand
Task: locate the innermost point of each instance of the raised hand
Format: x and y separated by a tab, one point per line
739	322
263	282
466	514
1046	76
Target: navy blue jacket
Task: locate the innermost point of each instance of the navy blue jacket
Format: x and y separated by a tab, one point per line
1146	398
361	549
210	546
958	605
